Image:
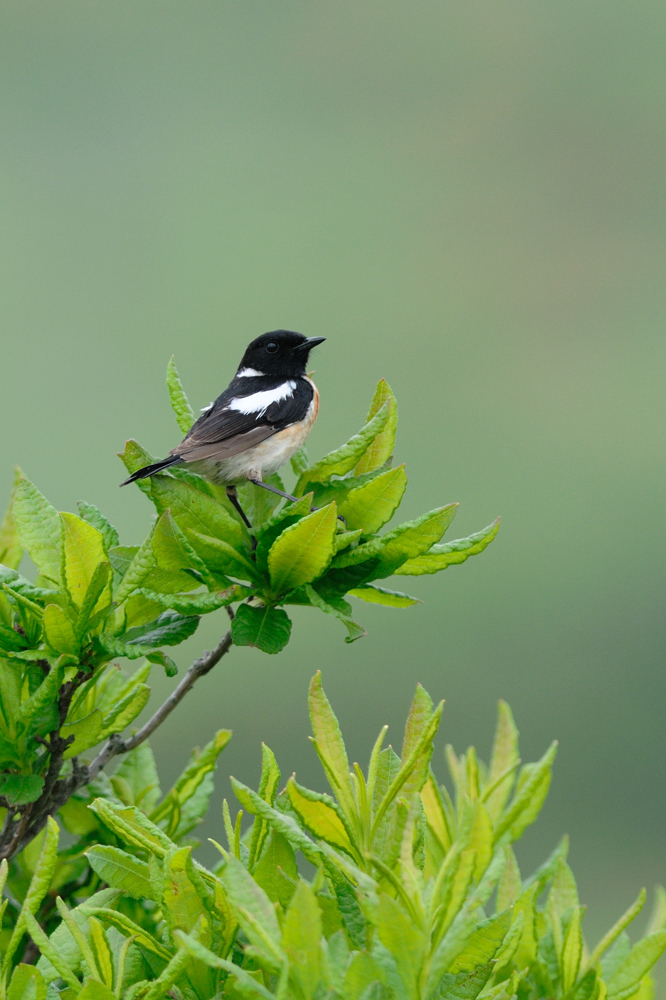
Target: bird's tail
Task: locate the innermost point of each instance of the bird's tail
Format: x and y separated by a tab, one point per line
150	470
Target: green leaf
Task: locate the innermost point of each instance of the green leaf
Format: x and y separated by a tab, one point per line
301	933
11	550
450	553
370	506
372	594
637	964
266	628
330	745
142	562
267	533
463	985
59	631
39	886
572	950
277	869
381	448
299	460
193	509
94	990
247	982
355	630
202	763
179	402
90	513
182	903
484	942
84	551
174	552
196	604
159	656
510	885
132	827
302	552
249	899
135	457
529	796
403	543
321	815
222	558
27	983
129	928
343	459
87	732
503	761
268	786
50	953
405	942
121	870
99	585
139	772
39	529
170	629
20	789
418	721
615	931
258	503
62	941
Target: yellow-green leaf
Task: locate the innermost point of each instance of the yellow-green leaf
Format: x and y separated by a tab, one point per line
11	550
27	983
301	932
449	553
381	448
59	631
329	744
84	551
572	950
372	594
179	402
121	870
343	459
503	761
321	817
370	506
87	732
302	552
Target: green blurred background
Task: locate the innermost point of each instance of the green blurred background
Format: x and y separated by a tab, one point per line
465	198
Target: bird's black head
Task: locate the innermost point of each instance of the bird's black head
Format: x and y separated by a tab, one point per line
281	352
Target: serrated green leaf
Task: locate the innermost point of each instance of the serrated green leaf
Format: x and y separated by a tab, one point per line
170	629
301	932
529	796
484	942
343	459
510	885
330	745
193	509
196	604
223	559
90	513
179	402
126	710
182	902
121	870
59	631
503	761
453	553
11	550
266	628
303	550
135	457
132	827
372	594
381	448
321	815
97	598
39	529
463	985
637	964
403	543
248	898
572	950
139	771
405	942
371	506
202	763
174	552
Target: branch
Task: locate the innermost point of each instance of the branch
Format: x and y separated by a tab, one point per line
116	745
59	791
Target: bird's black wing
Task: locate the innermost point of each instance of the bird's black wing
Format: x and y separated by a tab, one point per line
223	431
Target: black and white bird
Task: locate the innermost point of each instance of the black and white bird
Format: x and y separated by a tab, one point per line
261	419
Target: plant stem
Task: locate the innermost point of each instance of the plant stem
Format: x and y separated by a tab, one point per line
18	832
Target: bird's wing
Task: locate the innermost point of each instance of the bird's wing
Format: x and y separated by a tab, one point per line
236	422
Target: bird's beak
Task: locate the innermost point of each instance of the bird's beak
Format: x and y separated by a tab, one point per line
308	344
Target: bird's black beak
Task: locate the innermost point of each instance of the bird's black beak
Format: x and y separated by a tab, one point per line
308	344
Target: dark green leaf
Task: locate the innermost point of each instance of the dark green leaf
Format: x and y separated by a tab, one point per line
19	789
355	631
266	628
169	629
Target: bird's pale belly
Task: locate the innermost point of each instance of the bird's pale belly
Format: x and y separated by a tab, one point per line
262	459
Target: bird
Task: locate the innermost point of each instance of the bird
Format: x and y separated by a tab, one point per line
255	426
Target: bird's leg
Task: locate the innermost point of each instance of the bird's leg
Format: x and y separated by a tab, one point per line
288	496
233	497
274	489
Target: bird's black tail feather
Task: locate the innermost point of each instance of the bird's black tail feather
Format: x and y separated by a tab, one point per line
150	470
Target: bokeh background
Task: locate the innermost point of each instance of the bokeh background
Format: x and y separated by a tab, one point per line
465	198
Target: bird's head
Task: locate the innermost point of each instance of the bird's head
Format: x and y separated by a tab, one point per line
281	352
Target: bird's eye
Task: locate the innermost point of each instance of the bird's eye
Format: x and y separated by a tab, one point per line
272	348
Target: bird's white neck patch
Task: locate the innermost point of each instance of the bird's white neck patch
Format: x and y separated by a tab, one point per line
248	373
259	402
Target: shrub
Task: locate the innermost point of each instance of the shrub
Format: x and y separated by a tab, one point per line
416	892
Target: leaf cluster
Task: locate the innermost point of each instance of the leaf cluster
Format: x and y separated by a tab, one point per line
416	892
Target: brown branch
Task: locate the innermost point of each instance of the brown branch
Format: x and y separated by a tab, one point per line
57	791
